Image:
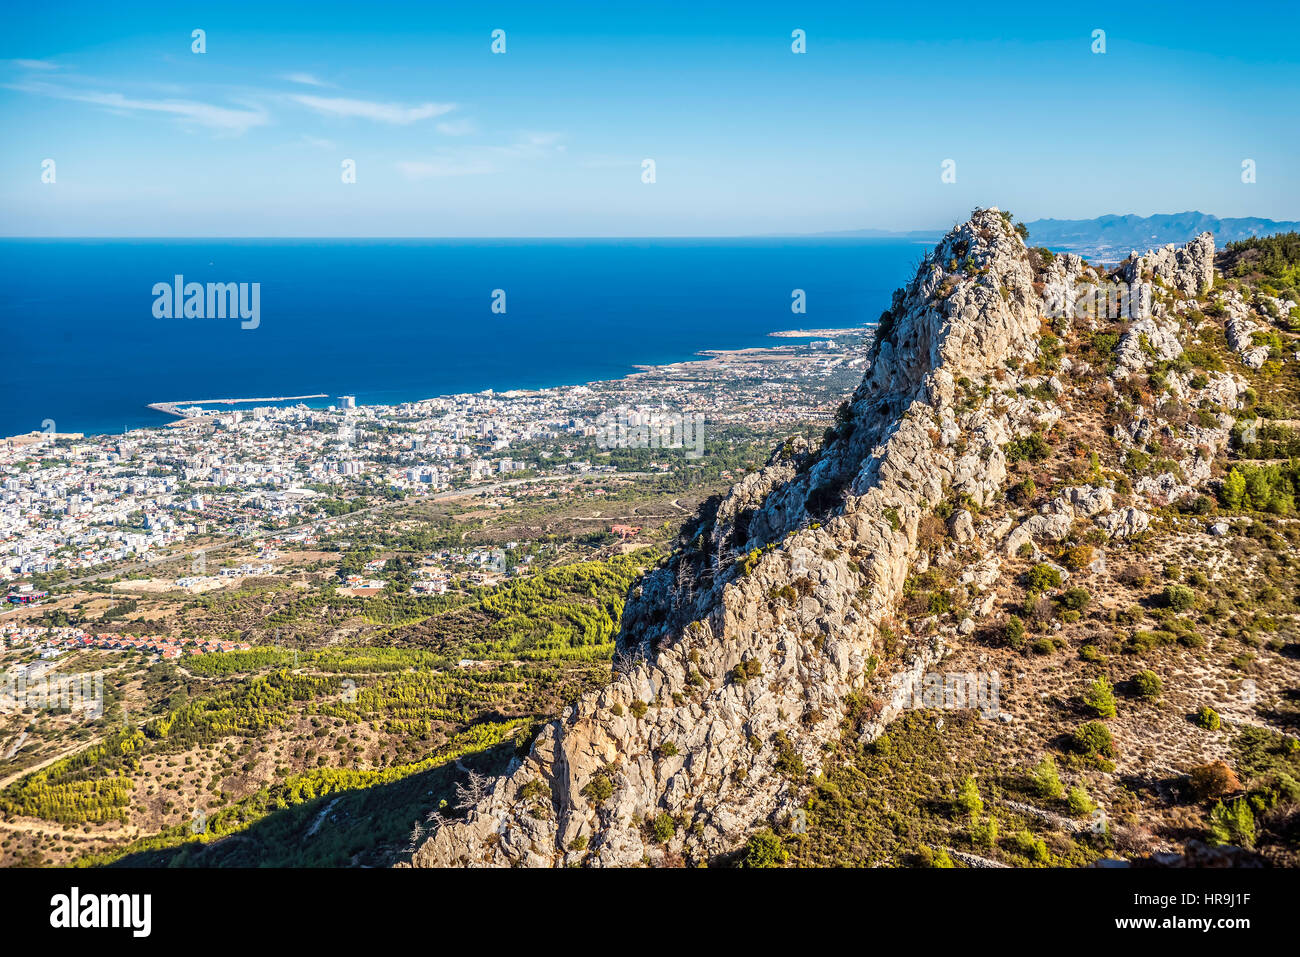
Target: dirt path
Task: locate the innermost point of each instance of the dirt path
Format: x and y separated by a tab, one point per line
29	825
10	779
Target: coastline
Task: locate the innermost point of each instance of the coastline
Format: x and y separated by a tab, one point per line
174	406
702	361
578	313
819	333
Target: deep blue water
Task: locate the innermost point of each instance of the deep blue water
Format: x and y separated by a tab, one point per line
391	321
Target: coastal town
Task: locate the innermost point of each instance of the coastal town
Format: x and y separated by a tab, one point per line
72	505
440	538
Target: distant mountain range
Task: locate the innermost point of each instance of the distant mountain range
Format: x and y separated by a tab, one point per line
1112	236
1118	235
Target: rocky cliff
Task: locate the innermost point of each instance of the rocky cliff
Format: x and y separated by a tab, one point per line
740	657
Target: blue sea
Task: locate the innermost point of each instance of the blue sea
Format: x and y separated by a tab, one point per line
399	320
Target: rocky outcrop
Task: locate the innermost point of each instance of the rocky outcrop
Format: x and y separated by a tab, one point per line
1052	523
1125	523
1056	519
1240	328
1187	269
1090	500
738	657
1196	854
1148	340
1062	280
1154	334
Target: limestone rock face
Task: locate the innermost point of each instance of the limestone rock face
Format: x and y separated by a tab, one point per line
1061	280
1053	523
736	658
1126	523
1148	340
1188	269
1164	488
1223	390
1090	500
962	525
1240	328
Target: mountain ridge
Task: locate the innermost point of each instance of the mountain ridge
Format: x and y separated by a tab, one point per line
1125	232
739	659
1113	235
1026	419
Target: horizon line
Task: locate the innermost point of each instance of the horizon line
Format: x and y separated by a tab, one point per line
846	234
858	232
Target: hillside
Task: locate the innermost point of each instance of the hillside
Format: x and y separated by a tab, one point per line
1031	600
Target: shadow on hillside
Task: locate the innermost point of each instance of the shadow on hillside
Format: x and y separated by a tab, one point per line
364	827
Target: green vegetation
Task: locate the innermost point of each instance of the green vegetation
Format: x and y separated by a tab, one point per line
763	849
379	733
599	789
570	612
1046	779
788	762
664	828
746	671
1079	803
1099	698
1077	557
893	806
968	800
280	812
89	787
1179	597
1232	823
1262	488
1015	632
1032	448
239	662
1208	718
1093	740
1147	684
1032	847
1041	578
1271	262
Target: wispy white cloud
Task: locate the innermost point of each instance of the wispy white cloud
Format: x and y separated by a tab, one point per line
319	143
224	119
445	166
393	113
537	143
530	146
481	160
205	114
242	113
34	64
457	127
306	79
605	161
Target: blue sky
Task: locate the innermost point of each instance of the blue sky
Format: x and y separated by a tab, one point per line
247	139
